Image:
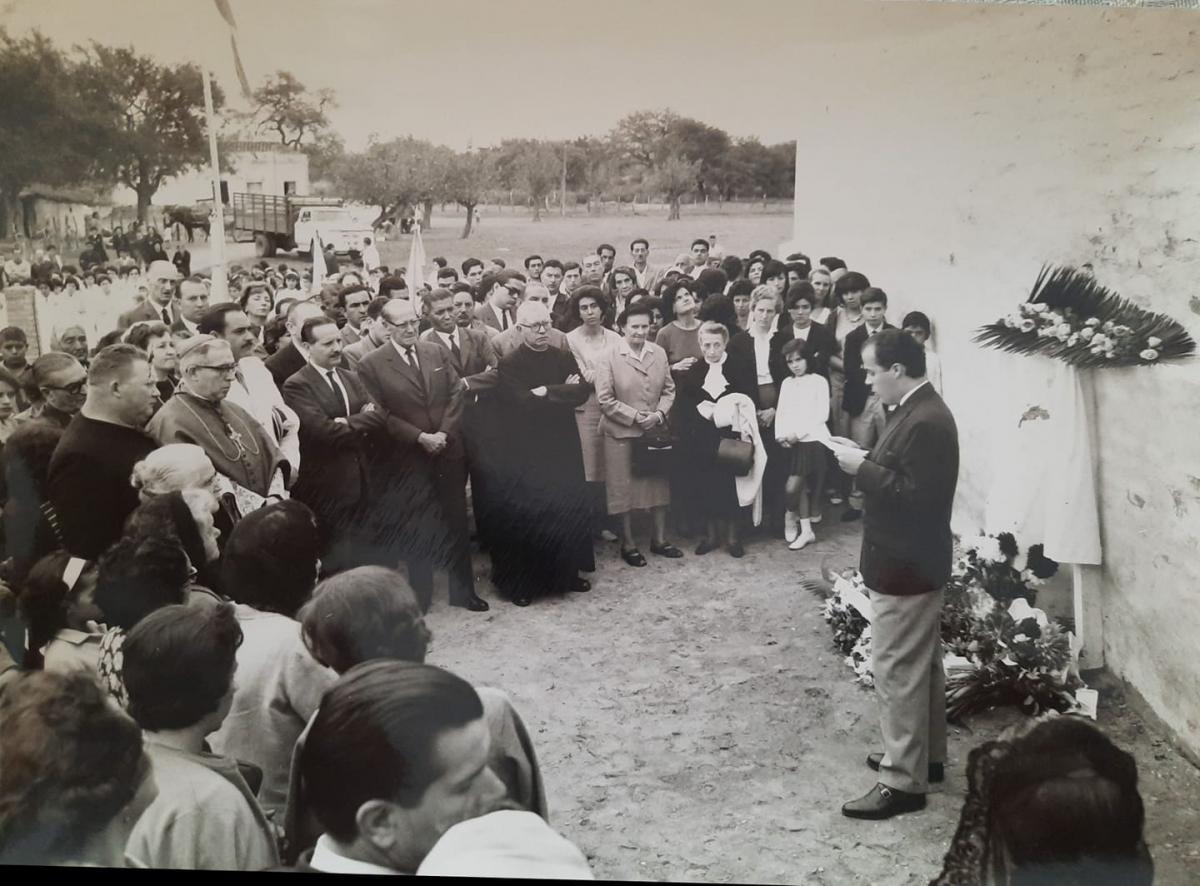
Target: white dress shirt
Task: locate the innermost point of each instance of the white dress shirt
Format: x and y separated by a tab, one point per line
327	861
904	399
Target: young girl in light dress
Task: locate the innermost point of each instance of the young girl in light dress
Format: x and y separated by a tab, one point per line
799	426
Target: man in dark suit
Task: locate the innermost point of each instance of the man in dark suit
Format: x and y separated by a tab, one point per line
160	306
909	479
858	400
375	334
339	427
475	361
421	395
290	358
496	310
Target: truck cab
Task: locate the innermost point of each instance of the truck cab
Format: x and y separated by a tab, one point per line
335	225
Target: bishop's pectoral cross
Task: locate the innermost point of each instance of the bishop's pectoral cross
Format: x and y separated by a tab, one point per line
236	438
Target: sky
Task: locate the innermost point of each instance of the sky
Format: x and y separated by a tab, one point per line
474	72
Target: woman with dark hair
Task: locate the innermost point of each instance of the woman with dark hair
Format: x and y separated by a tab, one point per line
775	277
1059	805
179	667
155	339
754	269
269	569
591	342
372	612
256	301
679	337
739	294
135	577
57	603
75	779
635	392
700	389
719	309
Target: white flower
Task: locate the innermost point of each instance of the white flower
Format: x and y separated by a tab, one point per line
1020	610
1072	340
1028	325
1097	350
1092	321
1027	309
1153	342
1122	330
988	550
1030	579
1100	340
1107	326
1045	331
1087	333
1039	308
1149	354
1054	318
1063	331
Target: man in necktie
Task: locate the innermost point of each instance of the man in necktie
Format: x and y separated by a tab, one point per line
340	431
496	310
421	515
475	361
162	278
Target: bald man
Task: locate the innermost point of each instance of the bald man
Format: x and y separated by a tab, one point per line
422	513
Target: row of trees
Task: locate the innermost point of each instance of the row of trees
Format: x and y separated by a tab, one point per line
649	154
108	116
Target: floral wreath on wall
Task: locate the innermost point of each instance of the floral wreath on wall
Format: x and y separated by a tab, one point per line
1071	317
1001	650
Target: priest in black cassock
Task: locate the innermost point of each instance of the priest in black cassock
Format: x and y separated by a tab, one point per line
543	533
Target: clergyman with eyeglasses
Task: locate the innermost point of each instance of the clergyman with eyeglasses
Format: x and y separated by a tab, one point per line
235	442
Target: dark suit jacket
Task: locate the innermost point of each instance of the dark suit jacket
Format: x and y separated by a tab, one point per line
335	456
351	354
285	363
818	348
908	480
477	361
487	314
146	313
857	390
412	407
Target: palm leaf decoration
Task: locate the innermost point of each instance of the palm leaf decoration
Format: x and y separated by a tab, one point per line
1073	318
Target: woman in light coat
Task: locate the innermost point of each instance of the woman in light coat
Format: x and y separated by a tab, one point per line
635	391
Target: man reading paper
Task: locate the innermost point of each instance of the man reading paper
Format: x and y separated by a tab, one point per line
908	478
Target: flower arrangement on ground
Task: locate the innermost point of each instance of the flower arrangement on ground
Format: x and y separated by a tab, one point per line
1073	318
1004	650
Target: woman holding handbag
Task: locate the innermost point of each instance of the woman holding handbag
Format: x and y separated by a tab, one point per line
711	455
635	392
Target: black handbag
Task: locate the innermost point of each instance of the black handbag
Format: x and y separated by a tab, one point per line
652	452
735	456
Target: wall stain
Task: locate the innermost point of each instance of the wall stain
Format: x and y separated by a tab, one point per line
1033	413
1136	500
1195	481
1194	304
1180	505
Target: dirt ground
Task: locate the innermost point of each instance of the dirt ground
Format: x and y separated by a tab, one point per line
694	723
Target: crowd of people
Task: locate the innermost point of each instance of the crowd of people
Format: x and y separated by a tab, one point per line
207	505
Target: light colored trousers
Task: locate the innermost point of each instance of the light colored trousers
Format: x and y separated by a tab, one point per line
906	655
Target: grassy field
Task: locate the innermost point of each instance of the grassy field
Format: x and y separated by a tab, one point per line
512	235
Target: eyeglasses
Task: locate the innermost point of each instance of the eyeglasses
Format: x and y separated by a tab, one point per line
223	369
543	326
73	389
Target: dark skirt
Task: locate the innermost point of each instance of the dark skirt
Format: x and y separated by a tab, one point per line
807	459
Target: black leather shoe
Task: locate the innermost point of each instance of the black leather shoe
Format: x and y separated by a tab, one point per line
666	549
736	550
582	585
851	514
705	546
883	802
475	604
937	771
633	556
522	601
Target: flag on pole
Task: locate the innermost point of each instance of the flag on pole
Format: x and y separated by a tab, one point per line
415	276
318	257
227	13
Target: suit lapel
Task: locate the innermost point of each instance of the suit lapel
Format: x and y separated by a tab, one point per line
426	358
899	418
402	367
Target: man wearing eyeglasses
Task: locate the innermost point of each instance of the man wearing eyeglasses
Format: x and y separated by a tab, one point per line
62	383
235	442
375	332
422	514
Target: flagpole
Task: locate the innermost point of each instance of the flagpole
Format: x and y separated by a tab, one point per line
216	237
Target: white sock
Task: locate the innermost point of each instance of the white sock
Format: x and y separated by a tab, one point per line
806	527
